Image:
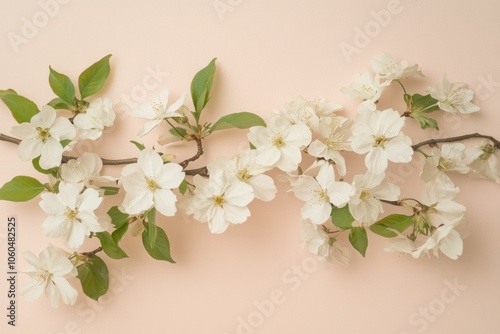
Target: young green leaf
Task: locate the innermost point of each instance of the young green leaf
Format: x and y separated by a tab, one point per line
183	187
426	122
110	246
94	277
7	91
201	86
342	218
58	103
118	218
359	239
161	247
21	189
241	120
138	145
61	85
36	165
152	229
119	233
178	132
94	77
386	226
21	108
108	191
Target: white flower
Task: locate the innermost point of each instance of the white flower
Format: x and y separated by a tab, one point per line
365	87
309	112
219	200
42	137
336	131
484	160
280	143
320	193
439	195
454	97
149	182
444	238
47	272
378	133
71	214
243	167
319	243
386	66
98	116
85	169
450	158
369	189
157	110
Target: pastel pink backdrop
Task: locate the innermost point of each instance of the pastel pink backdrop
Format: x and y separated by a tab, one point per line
268	53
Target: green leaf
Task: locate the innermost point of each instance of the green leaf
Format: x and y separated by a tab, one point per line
241	120
7	91
108	191
138	145
152	228
178	132
183	187
118	218
342	218
94	77
119	233
426	122
61	85
201	86
359	239
21	189
161	246
58	103
386	225
36	165
21	108
110	246
65	142
94	277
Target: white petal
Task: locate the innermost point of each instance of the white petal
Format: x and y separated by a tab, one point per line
75	234
170	176
89	200
376	160
164	201
67	292
239	193
150	162
62	129
218	223
55	226
263	187
51	154
148	127
30	149
236	214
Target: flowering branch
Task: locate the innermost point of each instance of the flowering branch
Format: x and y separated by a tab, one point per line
92	253
198	154
434	142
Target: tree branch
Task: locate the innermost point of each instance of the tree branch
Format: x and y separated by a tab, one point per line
92	253
434	142
116	162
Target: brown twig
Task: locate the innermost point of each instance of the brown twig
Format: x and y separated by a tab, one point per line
92	253
198	154
433	142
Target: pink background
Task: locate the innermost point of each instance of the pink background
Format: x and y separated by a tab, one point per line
255	278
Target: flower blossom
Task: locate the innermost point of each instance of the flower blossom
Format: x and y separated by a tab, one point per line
307	112
484	160
365	87
320	193
316	241
220	200
85	168
449	158
42	137
335	132
454	97
48	273
98	116
378	133
369	189
280	143
71	213
243	167
157	110
387	68
149	182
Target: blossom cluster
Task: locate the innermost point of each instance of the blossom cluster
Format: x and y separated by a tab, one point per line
308	141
